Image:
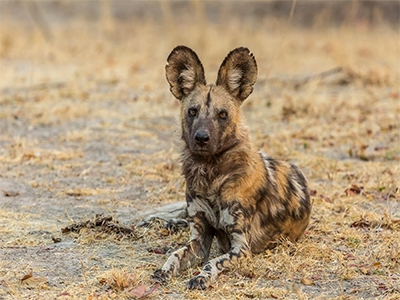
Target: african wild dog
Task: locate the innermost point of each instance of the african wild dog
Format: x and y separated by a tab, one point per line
244	198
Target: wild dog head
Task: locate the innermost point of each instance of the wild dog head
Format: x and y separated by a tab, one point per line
210	114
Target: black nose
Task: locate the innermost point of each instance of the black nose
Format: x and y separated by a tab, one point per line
202	137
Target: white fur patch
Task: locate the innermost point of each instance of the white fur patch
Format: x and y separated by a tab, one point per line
194	234
238	240
189	77
297	187
173	263
275	209
226	218
165	212
234	77
201	205
271	172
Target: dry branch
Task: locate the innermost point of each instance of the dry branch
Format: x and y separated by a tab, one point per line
298	82
103	225
33	87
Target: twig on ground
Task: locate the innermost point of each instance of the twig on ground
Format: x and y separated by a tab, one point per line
319	76
68	216
298	82
34	87
83	272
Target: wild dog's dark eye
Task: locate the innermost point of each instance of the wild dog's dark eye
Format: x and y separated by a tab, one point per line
192	112
223	114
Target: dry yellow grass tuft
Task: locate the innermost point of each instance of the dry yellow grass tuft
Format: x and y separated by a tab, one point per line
118	279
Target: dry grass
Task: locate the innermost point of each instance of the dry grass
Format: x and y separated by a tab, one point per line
88	126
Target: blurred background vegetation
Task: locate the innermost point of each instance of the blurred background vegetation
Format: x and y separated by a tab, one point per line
78	32
308	12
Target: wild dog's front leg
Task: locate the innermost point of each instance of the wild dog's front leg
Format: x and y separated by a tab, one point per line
197	249
179	260
235	226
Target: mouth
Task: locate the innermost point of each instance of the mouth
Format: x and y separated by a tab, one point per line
203	151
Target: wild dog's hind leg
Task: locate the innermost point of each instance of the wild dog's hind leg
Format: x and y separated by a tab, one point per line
174	215
195	252
232	218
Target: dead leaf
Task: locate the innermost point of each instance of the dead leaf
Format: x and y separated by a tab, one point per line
271	274
164	232
377	264
350	176
55	240
363	223
365	271
350	256
162	250
248	274
29	275
35	281
46	248
28	156
139	291
354	190
307	281
317	277
382	287
151	290
313	192
81	192
248	295
11	193
325	198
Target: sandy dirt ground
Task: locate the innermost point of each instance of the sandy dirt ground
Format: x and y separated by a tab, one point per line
88	126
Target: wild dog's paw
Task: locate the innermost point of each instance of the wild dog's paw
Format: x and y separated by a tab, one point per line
199	282
161	276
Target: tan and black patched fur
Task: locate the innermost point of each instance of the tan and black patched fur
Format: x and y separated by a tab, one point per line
245	199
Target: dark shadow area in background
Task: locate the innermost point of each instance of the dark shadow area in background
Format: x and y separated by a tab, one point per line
307	13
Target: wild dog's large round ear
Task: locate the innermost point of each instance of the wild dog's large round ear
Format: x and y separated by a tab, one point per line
238	73
184	71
